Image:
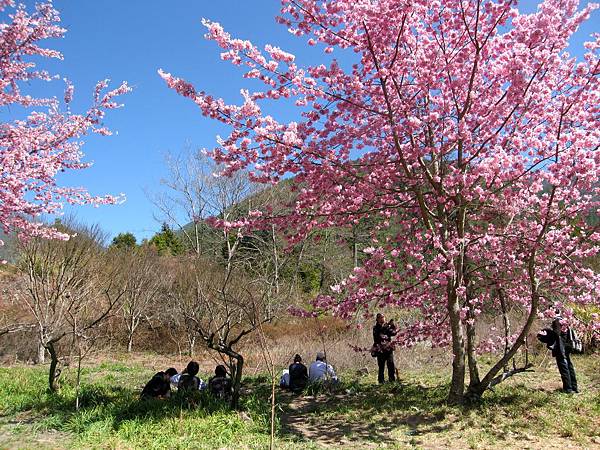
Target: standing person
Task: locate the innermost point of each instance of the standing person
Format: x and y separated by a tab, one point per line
298	375
555	340
383	347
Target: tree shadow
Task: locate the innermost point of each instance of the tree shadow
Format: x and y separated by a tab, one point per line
363	413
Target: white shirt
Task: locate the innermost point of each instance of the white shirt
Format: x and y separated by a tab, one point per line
319	371
284	381
175	381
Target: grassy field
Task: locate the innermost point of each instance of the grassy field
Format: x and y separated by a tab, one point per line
524	412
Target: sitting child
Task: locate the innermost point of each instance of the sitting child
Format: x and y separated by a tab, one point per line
188	380
284	380
220	385
159	385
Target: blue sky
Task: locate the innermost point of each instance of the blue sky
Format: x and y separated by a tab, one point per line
130	40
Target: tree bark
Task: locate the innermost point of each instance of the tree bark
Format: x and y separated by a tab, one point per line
237	380
457	386
471	337
472	356
41	356
54	371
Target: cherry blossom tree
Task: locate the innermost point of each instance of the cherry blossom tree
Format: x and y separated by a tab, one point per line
35	148
462	128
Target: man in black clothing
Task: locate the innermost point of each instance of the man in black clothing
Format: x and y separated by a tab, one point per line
298	375
159	386
383	347
555	340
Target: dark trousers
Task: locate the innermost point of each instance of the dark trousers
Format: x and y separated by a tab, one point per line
383	359
567	373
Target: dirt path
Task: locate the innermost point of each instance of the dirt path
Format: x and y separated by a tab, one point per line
298	418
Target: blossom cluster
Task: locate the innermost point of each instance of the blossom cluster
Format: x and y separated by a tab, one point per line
464	131
34	149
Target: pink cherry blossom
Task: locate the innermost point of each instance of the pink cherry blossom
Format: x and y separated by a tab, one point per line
462	125
36	148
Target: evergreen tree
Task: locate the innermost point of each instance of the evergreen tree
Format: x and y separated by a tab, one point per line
167	242
124	241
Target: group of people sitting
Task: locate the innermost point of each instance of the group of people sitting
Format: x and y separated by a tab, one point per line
162	383
297	376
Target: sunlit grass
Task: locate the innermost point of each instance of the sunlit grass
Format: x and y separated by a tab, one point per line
410	413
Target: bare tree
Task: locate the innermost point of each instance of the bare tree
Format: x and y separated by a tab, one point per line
140	278
231	282
64	283
193	192
225	306
183	310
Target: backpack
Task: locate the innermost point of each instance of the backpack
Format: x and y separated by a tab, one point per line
188	382
220	387
573	342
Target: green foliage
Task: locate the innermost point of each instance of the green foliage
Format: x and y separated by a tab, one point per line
124	241
310	276
167	242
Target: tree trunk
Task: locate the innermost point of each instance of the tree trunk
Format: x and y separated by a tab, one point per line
78	381
237	380
131	327
354	246
472	356
471	335
54	371
41	356
506	323
457	386
129	342
191	345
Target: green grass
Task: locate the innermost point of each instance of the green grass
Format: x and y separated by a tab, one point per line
525	410
111	414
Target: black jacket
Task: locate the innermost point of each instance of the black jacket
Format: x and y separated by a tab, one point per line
298	376
554	341
382	337
158	386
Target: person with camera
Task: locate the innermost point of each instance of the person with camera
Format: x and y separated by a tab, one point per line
383	347
560	342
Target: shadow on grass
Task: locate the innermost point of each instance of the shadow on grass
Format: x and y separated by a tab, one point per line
369	412
363	412
349	413
115	404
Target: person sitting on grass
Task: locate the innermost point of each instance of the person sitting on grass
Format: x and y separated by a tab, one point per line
298	375
188	380
284	380
220	384
159	386
321	372
173	376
